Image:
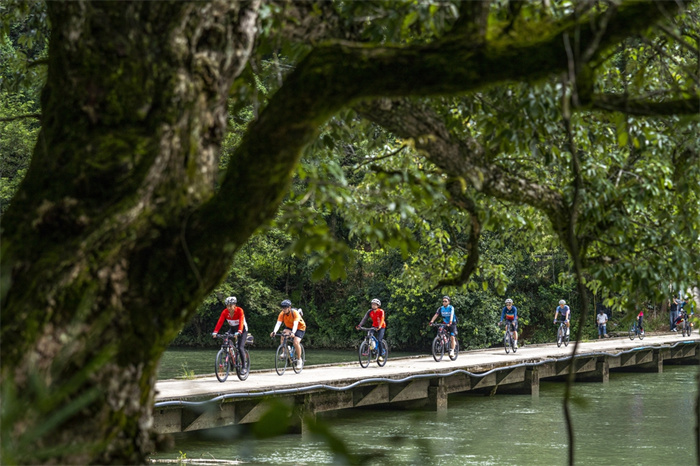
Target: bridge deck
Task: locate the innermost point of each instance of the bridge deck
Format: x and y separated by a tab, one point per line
475	361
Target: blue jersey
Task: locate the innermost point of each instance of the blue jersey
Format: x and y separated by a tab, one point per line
563	311
511	314
447	313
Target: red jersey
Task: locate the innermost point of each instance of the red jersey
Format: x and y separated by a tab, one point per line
235	319
377	316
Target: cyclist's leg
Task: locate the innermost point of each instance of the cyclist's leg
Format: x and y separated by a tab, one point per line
297	339
380	336
515	330
241	347
453	333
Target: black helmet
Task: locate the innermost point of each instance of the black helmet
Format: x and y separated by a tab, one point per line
286	303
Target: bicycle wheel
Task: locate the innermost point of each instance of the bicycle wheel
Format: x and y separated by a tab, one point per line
641	334
243	367
381	359
560	336
364	353
512	345
281	360
302	358
506	341
633	332
454	358
438	349
683	329
222	365
566	337
689	329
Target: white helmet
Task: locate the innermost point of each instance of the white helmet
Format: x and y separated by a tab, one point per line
562	302
377	302
509	301
231	300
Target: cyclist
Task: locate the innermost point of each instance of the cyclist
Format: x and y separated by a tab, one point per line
378	323
565	312
294	324
510	313
236	320
447	311
682	314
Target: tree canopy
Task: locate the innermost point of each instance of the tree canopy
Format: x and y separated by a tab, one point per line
443	133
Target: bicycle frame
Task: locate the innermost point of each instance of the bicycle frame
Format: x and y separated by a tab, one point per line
229	357
290	356
367	353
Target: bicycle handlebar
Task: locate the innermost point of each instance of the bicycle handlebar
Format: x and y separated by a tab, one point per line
366	329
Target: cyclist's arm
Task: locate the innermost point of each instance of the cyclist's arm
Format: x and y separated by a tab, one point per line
297	318
277	326
362	322
435	316
241	320
221	321
452	315
503	314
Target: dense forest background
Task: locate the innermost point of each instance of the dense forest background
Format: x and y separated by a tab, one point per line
333	258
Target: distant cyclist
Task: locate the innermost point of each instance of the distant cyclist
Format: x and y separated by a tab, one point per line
377	315
640	321
447	311
565	313
510	314
236	319
293	324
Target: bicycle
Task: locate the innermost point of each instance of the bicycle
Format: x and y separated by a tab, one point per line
636	331
368	351
442	341
508	341
228	358
285	354
562	333
686	328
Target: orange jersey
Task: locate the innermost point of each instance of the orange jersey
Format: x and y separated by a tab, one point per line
289	319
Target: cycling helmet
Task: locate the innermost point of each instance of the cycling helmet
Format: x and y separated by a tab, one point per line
286	303
377	302
561	301
231	300
446	297
509	301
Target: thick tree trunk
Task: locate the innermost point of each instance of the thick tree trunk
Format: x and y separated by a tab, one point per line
96	278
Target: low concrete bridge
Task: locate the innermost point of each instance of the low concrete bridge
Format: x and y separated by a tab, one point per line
203	403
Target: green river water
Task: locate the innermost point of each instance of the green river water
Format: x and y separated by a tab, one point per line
635	419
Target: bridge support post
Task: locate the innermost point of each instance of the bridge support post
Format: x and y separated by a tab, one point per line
303	415
600	374
529	386
437	395
655	365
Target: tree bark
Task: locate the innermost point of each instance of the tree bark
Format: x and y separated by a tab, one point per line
134	110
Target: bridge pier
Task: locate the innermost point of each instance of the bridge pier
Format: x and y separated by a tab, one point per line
600	374
437	395
529	386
